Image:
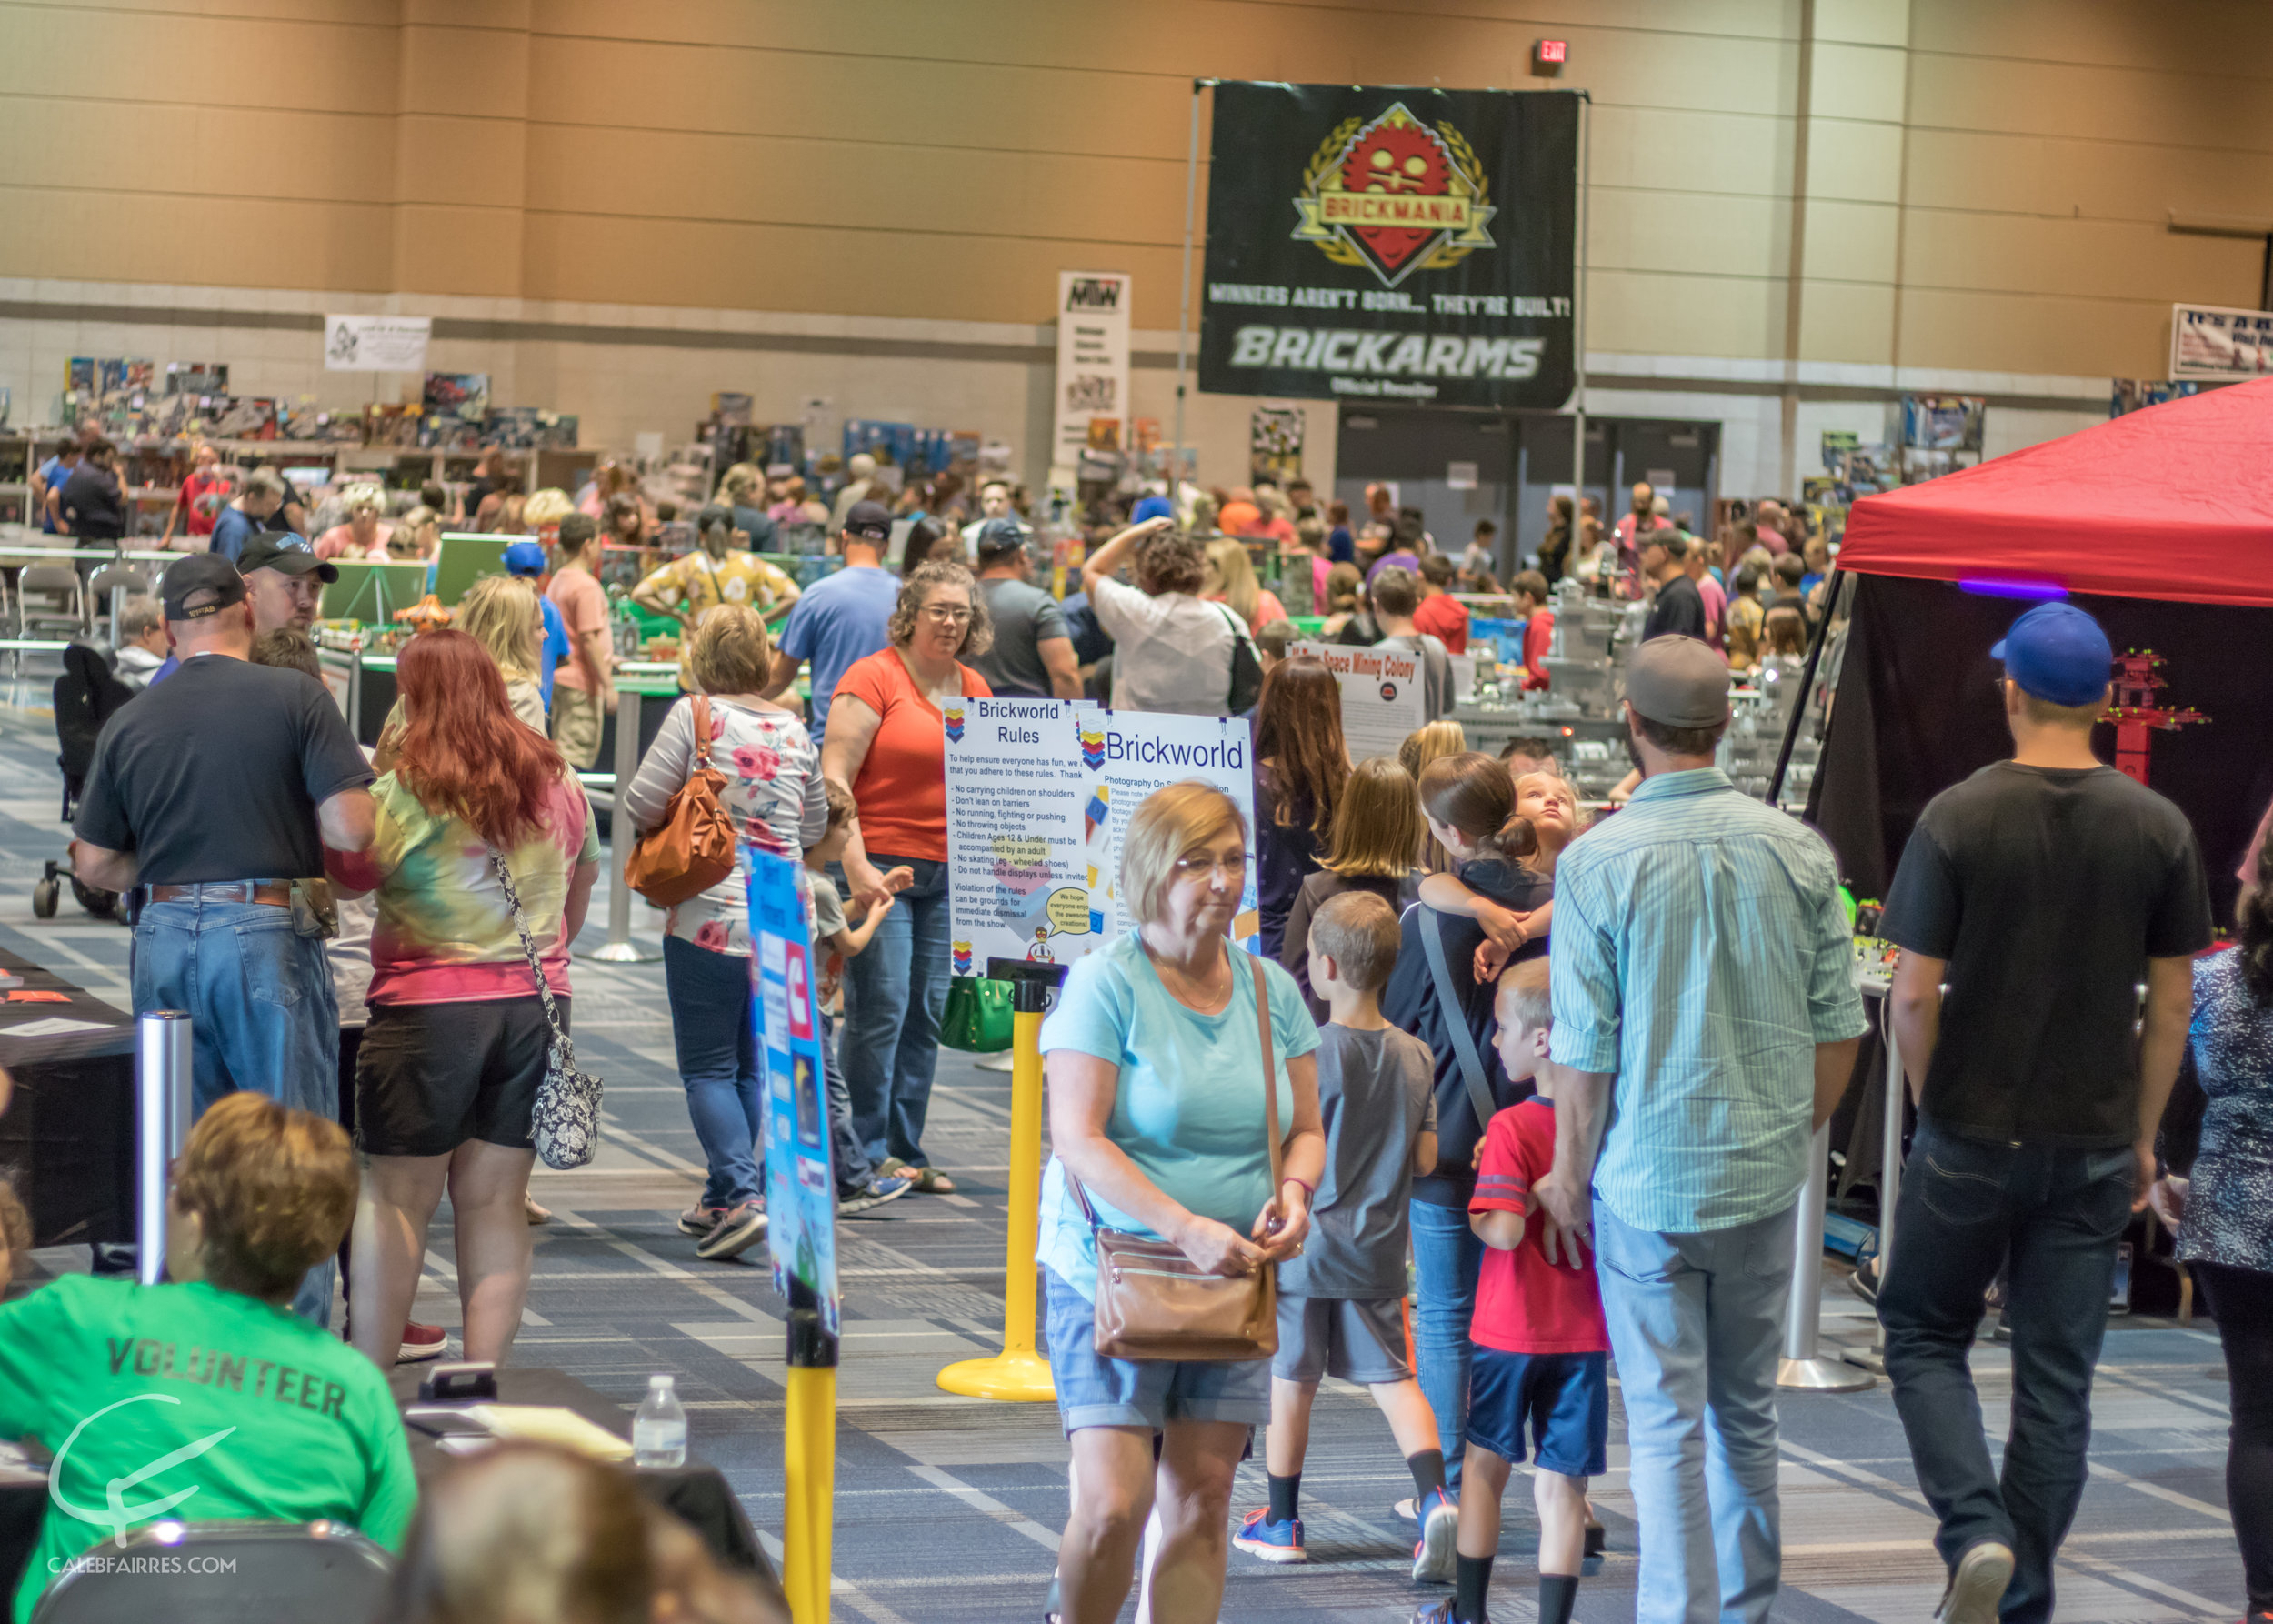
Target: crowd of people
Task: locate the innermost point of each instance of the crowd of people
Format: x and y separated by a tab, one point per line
1572	1073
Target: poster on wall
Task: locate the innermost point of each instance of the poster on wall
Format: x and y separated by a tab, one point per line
1039	796
800	1188
1275	443
1375	243
377	343
1092	403
1944	421
1382	697
2209	341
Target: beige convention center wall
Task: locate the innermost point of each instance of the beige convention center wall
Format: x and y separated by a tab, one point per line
1927	183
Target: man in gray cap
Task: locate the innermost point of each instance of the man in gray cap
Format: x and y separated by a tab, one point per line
1704	985
1032	657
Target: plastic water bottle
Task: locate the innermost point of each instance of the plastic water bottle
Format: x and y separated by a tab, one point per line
658	1432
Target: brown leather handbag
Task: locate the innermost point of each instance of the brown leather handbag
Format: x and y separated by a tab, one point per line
1155	1303
692	849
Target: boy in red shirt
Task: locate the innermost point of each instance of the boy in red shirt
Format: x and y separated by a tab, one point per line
1440	614
1542	1350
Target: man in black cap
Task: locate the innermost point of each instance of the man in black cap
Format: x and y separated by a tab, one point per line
1704	987
842	618
218	790
283	579
1032	657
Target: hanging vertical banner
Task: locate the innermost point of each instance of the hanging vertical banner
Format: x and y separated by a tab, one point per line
1039	796
800	1188
1092	365
1375	243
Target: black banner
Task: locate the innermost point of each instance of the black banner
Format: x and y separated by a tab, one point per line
1391	245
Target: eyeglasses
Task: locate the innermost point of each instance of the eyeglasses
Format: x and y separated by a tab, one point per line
945	615
1232	865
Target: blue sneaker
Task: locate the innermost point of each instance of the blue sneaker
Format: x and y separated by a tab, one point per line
1433	1555
1439	1612
1258	1536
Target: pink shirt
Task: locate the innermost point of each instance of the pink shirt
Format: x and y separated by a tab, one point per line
582	604
1716	608
339	542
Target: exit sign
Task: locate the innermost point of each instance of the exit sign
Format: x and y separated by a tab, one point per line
1547	56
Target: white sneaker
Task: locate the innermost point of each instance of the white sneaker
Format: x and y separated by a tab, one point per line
1977	1585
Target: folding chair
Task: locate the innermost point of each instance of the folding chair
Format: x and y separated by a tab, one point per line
228	1573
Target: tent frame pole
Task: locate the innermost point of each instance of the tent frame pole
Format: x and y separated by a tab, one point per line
1807	686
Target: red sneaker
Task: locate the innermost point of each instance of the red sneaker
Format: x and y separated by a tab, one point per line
422	1342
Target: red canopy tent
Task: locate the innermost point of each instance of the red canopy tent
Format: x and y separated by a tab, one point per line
2174	502
2160	523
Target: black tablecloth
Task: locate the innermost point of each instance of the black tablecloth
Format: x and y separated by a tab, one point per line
696	1492
67	1144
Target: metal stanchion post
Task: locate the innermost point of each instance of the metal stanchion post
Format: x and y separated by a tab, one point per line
620	947
808	1460
1801	1368
162	1106
1017	1372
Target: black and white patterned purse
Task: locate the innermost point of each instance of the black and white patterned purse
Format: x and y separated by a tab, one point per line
565	1124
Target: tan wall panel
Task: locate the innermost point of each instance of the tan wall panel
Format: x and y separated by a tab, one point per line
1845	322
244	151
2213	39
170	58
2034	332
470	162
469	72
1029	197
2160	106
1857	82
2075	258
1737	154
169	237
1859	163
1852	242
474	251
2102	178
1676	233
1642	313
1864	22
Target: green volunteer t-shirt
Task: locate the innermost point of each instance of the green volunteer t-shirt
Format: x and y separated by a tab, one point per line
262	1414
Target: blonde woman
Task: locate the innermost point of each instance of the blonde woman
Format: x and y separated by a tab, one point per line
1156	1106
500	614
1376	829
1421	747
742	492
543	511
1230	580
363	535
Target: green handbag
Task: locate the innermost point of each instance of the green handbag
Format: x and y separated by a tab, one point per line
978	1019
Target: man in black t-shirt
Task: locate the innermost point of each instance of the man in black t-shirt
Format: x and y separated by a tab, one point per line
2042	891
218	789
1679	608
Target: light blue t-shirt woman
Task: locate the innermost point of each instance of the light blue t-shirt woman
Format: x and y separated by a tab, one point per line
1187	1109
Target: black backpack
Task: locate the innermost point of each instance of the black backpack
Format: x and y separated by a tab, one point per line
1246	668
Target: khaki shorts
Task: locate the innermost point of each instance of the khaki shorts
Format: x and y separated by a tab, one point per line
577	719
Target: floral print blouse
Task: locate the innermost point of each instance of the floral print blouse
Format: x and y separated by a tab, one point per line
773	794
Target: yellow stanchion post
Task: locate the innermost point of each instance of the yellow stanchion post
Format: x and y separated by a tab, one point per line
1018	1373
808	1460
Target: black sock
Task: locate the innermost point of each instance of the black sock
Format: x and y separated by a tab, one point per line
1558	1593
1471	1578
1284	1491
1427	1467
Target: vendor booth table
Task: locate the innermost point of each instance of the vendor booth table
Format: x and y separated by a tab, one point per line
66	1143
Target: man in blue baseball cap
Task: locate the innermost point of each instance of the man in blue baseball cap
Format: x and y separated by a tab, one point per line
2040	891
525	561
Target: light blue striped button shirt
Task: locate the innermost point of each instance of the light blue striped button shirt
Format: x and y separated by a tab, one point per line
1700	953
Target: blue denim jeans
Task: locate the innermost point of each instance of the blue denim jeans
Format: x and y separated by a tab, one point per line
851	1167
262	1015
895	994
1696	1323
1446	1257
717	1054
1965	1204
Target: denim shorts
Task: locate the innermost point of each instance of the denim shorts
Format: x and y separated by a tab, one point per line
1095	1391
1562	1399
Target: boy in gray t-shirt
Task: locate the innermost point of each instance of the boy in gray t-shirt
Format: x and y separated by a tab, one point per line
1341	1300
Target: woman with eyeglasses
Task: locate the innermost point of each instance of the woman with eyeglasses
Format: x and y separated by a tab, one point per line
1155	1065
886	746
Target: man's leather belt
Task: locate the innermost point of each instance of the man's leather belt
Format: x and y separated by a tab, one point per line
275	893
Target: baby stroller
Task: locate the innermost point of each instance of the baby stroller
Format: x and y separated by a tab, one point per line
87	695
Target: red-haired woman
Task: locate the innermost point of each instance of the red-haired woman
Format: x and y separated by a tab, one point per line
448	1078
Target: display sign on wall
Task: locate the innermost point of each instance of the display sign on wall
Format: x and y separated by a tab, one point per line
377	343
1039	796
1092	364
1383	243
2208	341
